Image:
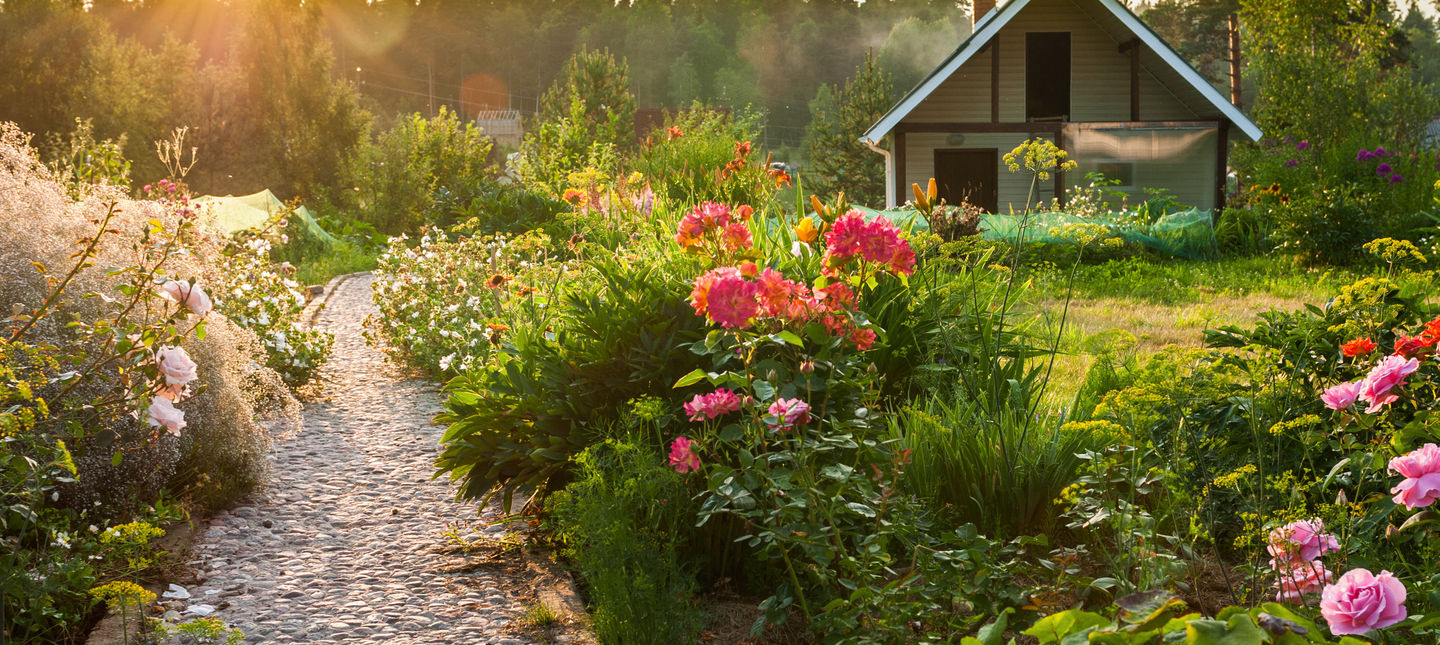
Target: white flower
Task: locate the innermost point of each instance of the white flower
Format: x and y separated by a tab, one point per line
175	365
187	294
445	362
164	413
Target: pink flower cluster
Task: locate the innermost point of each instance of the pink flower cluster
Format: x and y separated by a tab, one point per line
1377	388
876	241
789	413
1421	470
715	219
682	455
729	297
1295	550
709	406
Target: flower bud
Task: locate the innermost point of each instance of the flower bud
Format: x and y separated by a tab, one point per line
807	367
771	375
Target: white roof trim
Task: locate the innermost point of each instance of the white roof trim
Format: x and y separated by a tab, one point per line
985	30
1160	47
999	17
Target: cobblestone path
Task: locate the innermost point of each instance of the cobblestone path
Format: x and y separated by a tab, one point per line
340	546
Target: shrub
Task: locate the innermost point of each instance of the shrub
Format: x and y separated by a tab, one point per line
90	432
704	155
622	520
422	172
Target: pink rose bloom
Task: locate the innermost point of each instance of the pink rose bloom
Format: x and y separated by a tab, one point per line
1341	396
789	413
714	404
712	215
164	413
177	368
844	237
682	455
863	338
1302	541
1361	601
189	295
1421	470
736	236
1386	376
1298	579
732	301
700	295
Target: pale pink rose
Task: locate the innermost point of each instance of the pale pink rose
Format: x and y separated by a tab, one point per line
164	413
789	413
176	366
1361	601
1341	396
1421	470
1301	541
1387	375
1297	579
190	295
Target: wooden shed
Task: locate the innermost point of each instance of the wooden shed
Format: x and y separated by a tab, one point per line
1087	74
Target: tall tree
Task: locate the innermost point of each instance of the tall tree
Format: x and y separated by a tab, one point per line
597	87
838	160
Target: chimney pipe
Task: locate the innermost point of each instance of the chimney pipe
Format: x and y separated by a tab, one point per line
981	8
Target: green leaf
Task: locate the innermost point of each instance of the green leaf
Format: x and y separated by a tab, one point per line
993	632
861	509
764	391
115	458
789	337
1052	628
1240	629
692	378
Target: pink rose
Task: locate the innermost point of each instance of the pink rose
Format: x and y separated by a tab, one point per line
187	294
682	455
714	404
164	413
1301	541
1341	396
1387	375
1421	470
1298	579
789	413
175	365
1361	601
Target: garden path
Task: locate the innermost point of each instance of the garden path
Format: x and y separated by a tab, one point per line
342	545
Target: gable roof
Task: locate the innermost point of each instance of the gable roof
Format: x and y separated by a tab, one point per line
990	25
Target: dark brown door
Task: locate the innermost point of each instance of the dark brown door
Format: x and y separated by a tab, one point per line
968	175
1047	76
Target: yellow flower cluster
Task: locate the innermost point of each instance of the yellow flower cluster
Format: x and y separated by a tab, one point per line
122	594
1393	251
1233	479
1040	156
1366	292
1298	423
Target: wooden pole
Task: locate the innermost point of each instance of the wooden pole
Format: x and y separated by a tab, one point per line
1234	28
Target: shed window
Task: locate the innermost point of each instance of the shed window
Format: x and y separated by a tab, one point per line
1047	76
1122	171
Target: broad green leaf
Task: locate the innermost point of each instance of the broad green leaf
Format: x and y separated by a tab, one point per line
1052	628
692	378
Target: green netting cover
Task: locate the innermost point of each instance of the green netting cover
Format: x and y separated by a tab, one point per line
1187	234
253	211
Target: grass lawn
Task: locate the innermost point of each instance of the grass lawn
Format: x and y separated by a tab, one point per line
1162	303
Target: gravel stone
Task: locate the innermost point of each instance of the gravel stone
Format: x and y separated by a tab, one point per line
339	546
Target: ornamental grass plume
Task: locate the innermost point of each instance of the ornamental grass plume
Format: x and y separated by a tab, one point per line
221	454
